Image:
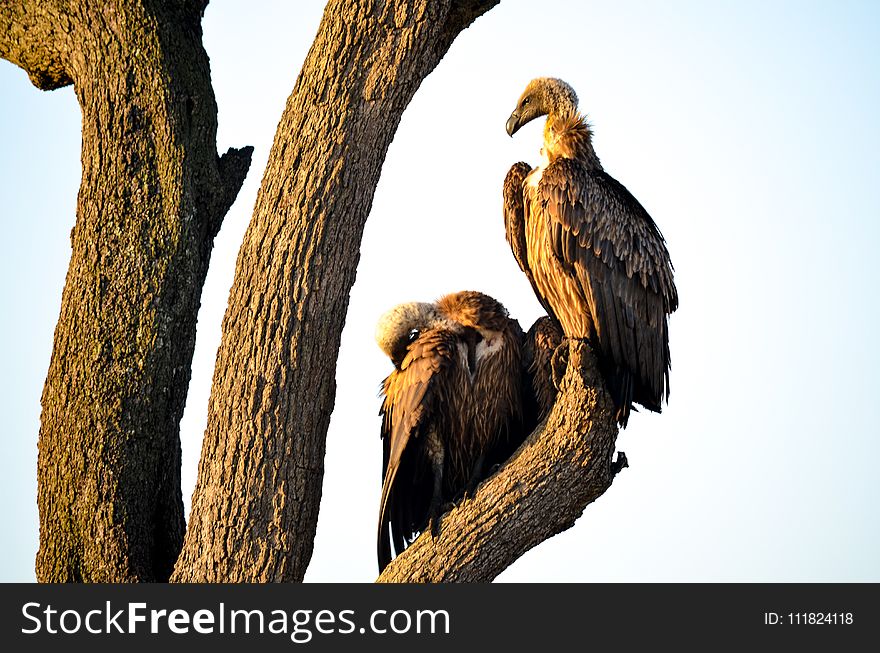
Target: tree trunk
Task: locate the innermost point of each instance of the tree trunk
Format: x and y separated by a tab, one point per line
564	465
152	198
255	507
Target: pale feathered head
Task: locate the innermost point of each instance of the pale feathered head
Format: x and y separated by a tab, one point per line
543	96
398	327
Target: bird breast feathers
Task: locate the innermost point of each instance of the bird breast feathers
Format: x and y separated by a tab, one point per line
490	344
534	177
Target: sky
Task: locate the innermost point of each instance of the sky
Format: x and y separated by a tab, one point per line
749	130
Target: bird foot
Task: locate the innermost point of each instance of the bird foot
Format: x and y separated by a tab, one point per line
471	488
559	363
435	509
457	500
434	527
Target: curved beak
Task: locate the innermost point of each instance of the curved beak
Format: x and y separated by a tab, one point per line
513	124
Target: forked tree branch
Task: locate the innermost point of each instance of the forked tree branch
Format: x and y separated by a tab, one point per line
565	465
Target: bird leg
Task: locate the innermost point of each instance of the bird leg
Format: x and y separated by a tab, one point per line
435	507
476	476
559	363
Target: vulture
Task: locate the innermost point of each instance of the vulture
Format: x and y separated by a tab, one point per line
451	409
594	257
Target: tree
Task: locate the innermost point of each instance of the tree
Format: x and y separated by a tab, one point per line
152	198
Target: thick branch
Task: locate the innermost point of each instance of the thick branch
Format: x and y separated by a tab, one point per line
33	36
152	196
563	466
464	12
255	507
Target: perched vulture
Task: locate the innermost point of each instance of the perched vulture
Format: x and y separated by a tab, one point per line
594	257
452	407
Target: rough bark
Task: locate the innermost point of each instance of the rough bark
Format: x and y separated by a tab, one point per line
255	506
564	465
152	197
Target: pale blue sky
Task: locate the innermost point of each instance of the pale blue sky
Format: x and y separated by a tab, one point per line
749	130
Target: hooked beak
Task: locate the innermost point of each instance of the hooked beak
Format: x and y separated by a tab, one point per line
513	124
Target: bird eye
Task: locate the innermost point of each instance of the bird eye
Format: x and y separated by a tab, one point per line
526	101
412	335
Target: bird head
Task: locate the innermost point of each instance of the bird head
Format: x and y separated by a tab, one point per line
543	96
400	326
473	309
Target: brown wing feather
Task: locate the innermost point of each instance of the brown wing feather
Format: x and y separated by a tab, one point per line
540	343
515	208
413	396
605	239
514	217
498	394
